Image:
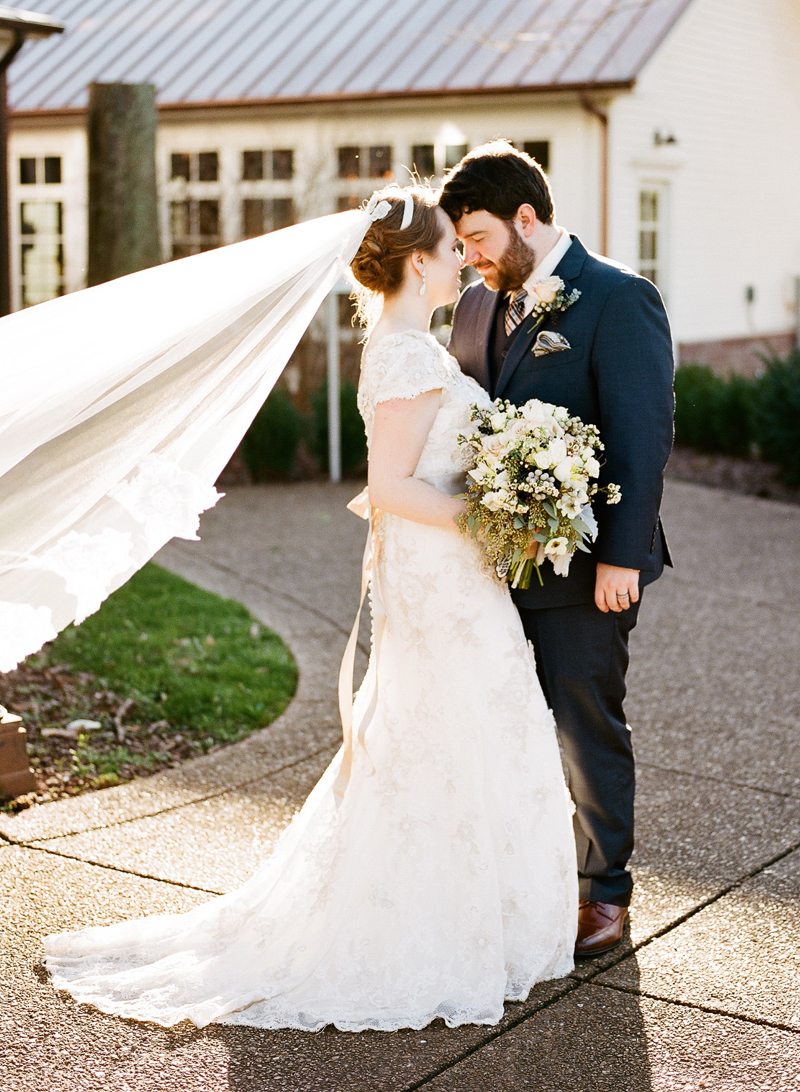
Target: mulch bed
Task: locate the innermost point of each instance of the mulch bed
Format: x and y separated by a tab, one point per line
749	476
68	761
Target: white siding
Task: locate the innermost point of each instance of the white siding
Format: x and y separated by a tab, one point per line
726	83
315	134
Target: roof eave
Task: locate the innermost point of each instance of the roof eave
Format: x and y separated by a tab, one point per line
604	87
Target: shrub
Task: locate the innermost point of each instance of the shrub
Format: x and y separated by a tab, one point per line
354	440
712	412
270	444
777	415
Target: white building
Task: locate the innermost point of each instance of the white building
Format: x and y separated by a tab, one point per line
670	130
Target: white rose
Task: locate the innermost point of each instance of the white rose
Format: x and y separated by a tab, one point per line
491	501
493	444
558	450
534	410
592	466
546	290
564	470
543	459
498	421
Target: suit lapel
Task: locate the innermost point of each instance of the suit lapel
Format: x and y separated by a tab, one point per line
483	334
568	269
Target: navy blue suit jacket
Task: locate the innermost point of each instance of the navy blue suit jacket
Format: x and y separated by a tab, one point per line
618	375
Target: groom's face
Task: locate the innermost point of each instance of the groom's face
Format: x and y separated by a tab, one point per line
496	249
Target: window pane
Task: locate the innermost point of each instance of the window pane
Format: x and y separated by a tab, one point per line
452	154
648	246
422	160
648	206
207	166
380	161
180	223
252	166
208	218
282	212
344	204
349	162
253	216
42	254
540	151
283	164
27	172
180	165
347	310
52	168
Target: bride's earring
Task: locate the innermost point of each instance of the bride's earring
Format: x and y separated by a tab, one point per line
424	275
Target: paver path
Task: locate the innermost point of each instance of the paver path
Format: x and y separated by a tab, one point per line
704	996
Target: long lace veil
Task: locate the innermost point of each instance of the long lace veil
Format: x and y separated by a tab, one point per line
121	404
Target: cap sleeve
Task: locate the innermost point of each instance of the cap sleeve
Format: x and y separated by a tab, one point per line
405	366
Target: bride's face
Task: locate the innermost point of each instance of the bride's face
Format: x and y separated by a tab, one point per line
443	267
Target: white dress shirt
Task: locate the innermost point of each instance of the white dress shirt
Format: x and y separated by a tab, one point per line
546	267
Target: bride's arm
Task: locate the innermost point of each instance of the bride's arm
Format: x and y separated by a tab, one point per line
398	437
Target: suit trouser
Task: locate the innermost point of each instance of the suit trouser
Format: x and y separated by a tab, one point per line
581	659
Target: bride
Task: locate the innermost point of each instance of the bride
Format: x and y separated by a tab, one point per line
431	872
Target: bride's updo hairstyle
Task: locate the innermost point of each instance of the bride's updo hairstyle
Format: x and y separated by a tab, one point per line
380	262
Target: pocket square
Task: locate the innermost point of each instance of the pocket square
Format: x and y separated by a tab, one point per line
549	341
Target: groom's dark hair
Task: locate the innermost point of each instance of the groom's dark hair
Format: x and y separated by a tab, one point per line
499	178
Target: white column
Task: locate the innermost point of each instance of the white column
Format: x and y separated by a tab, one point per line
334	422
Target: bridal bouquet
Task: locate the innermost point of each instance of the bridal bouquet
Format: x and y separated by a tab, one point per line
529	493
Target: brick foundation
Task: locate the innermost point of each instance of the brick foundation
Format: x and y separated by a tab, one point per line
736	354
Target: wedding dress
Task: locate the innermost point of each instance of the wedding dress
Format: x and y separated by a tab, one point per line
439	879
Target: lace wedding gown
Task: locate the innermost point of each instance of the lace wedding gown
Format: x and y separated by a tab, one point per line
443	881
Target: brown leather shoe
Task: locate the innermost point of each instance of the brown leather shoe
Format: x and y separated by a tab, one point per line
600	926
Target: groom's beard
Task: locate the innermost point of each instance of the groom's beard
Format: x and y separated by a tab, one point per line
514	267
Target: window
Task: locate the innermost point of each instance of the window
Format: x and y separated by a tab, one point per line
380	161
540	151
277	164
282	164
650	231
422	160
46	170
195	227
373	162
195	166
252	166
42	251
452	154
262	214
52	170
181	166
349	162
207	166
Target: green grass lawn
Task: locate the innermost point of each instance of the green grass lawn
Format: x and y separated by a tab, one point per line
185	655
169	670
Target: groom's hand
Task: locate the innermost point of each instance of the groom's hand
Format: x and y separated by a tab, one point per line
615	589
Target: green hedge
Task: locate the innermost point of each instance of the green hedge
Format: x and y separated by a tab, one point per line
734	415
270	445
354	440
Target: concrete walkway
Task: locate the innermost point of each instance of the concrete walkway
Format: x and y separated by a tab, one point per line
704	995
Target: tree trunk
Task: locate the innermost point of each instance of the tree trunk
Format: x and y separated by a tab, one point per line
123	206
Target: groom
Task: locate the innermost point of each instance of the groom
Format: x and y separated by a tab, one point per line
609	360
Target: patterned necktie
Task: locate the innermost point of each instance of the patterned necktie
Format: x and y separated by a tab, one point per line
515	310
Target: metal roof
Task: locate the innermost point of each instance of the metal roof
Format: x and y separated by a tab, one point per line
214	51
